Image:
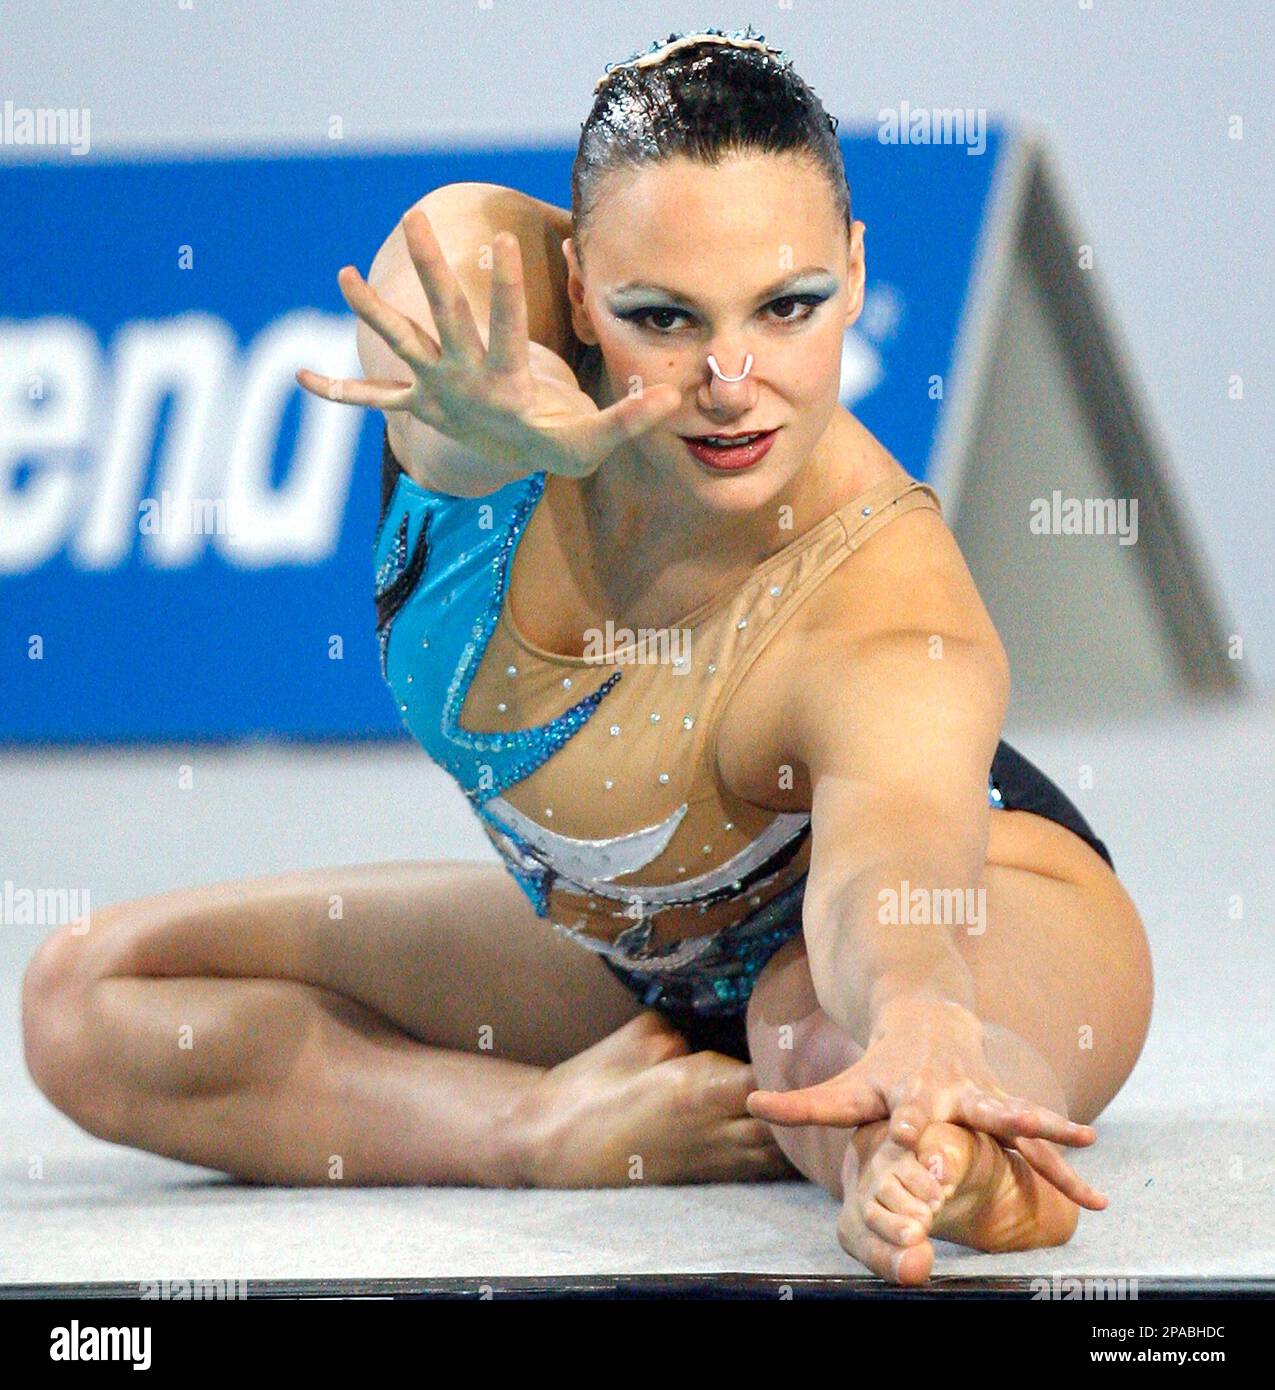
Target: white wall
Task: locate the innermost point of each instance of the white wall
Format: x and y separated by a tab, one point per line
1136	95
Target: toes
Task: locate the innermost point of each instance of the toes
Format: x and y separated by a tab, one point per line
895	1196
899	1264
944	1151
896	1227
920	1182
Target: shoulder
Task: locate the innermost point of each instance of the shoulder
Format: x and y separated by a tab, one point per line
895	602
908	573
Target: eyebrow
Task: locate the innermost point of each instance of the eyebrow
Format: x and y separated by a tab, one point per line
633	289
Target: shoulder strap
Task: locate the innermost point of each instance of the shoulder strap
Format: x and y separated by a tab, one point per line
860	518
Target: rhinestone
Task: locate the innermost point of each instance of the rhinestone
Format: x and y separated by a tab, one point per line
615	729
707	848
775	590
592	903
403	708
511	670
502	707
867	511
681	868
730	825
424	641
608	784
679	661
712	666
655	719
410	679
743	622
548	810
687	721
566	682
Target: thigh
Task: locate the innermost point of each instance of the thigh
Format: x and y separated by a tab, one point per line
450	952
1061	961
1064	962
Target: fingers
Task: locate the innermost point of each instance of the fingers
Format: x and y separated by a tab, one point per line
408	339
453	317
841	1102
1009	1117
377	392
507	337
1051	1165
595	437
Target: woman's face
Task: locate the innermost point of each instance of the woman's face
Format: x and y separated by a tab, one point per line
685	259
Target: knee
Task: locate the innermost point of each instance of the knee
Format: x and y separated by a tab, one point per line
791	1041
55	1023
774	1013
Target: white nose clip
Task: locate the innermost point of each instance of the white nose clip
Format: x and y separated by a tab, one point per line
721	376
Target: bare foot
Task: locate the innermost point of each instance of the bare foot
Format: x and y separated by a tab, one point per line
960	1185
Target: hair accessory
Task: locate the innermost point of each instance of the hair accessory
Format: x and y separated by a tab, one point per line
721	376
658	51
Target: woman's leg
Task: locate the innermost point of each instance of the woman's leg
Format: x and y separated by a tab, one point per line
1063	979
367	1024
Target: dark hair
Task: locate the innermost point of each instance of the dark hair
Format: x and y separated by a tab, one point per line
703	101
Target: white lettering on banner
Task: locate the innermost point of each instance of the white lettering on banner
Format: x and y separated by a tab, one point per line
192	359
301	520
85	425
48	379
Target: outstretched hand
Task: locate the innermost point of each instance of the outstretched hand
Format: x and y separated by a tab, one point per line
924	1064
489	399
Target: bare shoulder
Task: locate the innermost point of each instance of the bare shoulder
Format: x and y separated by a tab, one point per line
909	576
465	218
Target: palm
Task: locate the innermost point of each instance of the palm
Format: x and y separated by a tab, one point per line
512	401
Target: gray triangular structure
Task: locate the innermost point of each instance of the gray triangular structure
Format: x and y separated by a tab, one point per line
1042	399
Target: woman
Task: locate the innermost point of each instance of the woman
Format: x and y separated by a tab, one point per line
776	839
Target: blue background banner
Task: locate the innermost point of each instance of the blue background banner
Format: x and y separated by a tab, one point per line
185	535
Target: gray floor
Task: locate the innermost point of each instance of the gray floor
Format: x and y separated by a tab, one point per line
1184	800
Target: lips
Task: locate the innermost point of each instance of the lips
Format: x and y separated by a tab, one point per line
726	452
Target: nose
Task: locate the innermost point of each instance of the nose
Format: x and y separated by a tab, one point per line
728	385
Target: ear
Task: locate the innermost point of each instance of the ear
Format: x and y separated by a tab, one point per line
857	274
580	322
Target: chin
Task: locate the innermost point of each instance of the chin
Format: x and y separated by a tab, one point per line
735	493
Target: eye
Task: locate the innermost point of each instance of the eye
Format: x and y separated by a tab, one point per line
640	317
807	301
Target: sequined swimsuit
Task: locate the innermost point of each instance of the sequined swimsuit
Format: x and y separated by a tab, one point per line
595	777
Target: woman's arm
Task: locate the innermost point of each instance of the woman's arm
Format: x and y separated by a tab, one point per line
899	691
897	714
465	217
473	401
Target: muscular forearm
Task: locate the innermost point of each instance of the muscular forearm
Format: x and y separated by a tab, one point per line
888	935
433	461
